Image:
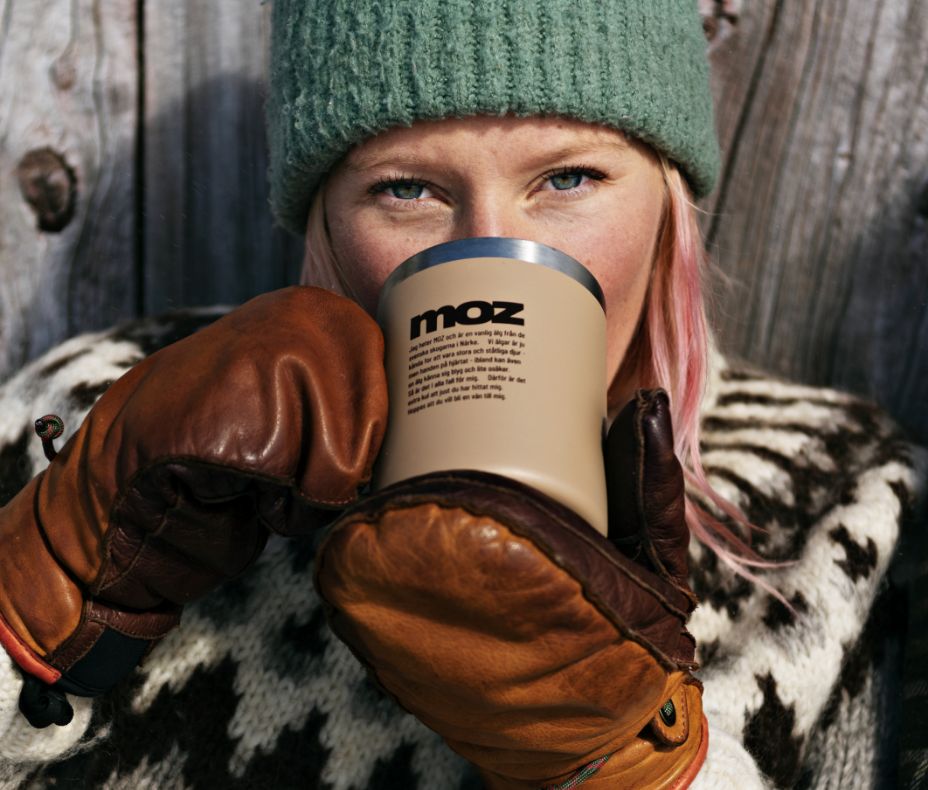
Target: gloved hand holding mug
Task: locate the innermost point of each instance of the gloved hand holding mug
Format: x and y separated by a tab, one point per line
537	649
265	421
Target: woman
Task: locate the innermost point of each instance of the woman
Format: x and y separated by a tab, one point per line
394	127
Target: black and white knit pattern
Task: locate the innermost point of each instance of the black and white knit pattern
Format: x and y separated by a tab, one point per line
830	479
253	691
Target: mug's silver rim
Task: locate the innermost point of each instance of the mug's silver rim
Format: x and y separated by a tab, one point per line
494	247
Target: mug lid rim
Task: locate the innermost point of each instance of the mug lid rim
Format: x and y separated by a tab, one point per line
494	247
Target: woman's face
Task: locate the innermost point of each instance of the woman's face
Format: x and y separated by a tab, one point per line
582	188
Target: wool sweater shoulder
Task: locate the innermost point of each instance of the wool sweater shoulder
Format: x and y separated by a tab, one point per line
828	480
253	690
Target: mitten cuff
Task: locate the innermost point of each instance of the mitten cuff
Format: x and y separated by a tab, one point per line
20	742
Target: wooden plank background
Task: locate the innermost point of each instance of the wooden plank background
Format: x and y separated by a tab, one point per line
820	223
208	234
819	227
68	130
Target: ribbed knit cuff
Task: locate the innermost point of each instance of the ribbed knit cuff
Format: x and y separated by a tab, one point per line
728	766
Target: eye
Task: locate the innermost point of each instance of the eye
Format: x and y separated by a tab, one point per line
401	188
566	180
569	179
406	191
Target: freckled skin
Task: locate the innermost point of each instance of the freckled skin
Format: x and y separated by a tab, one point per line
579	187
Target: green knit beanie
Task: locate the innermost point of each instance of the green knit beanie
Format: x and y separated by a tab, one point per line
344	70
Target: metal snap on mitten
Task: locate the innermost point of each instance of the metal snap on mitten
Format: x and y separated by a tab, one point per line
668	713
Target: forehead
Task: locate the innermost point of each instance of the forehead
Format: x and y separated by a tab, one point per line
508	136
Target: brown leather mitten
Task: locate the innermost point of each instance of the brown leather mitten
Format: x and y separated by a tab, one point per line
520	634
646	490
268	419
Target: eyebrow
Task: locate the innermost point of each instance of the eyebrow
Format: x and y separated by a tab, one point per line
616	144
398	159
404	158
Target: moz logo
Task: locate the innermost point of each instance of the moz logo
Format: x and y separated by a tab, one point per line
468	313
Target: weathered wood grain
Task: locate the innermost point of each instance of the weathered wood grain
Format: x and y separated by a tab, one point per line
820	219
208	234
819	225
68	82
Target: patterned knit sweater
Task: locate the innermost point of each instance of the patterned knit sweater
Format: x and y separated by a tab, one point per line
253	691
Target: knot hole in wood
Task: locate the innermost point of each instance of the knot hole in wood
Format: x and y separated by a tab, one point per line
48	184
719	17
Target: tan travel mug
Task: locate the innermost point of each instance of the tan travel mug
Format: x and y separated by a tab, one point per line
496	361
